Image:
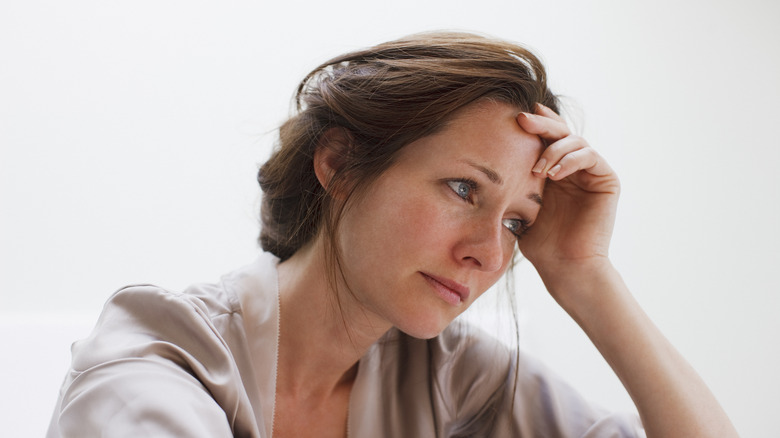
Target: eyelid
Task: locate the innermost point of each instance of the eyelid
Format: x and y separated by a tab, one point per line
472	185
523	225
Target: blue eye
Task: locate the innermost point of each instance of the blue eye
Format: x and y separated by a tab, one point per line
463	188
517	226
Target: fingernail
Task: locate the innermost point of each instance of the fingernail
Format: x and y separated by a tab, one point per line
539	167
554	170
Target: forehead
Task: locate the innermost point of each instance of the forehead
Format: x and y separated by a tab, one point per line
487	114
486	134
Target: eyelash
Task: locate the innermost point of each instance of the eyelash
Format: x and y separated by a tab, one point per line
522	224
522	227
470	183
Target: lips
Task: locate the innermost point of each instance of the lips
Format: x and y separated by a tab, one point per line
448	290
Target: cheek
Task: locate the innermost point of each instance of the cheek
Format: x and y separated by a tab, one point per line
389	227
418	226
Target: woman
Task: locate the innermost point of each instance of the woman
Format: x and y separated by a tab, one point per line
394	200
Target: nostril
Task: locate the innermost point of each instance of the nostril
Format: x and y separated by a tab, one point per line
484	247
474	260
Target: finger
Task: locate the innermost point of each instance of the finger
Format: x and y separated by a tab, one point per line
545	127
543	110
555	152
582	159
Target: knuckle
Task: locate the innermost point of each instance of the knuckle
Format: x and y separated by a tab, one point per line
566	159
579	140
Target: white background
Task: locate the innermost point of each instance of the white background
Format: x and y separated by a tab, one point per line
130	133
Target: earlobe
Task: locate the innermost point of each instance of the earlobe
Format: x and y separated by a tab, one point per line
330	155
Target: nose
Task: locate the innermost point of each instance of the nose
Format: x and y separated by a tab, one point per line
483	246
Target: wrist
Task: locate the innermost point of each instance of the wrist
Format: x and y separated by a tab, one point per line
579	285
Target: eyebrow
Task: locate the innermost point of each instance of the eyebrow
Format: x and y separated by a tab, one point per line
491	174
495	178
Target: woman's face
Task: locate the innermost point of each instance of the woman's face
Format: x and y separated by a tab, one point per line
438	228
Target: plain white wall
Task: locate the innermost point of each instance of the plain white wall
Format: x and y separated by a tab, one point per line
130	133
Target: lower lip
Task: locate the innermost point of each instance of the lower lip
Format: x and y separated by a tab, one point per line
448	295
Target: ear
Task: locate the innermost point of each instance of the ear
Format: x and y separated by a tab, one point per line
330	154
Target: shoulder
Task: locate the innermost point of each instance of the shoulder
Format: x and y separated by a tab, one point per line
145	321
198	321
177	357
197	302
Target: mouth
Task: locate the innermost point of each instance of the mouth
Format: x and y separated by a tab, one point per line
452	292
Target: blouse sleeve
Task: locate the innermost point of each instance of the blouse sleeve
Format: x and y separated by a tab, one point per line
153	366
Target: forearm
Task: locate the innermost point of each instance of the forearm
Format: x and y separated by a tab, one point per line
671	398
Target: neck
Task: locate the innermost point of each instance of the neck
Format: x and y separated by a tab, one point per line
323	332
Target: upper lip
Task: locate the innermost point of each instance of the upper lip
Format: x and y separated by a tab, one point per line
453	285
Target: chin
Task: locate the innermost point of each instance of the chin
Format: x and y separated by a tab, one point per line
427	330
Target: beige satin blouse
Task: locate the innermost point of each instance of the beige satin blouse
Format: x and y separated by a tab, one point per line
202	363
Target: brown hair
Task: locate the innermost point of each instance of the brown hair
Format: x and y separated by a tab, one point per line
383	98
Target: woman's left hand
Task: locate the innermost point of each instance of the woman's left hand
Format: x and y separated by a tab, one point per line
573	229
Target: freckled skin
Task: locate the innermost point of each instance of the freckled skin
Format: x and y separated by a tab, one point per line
411	220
